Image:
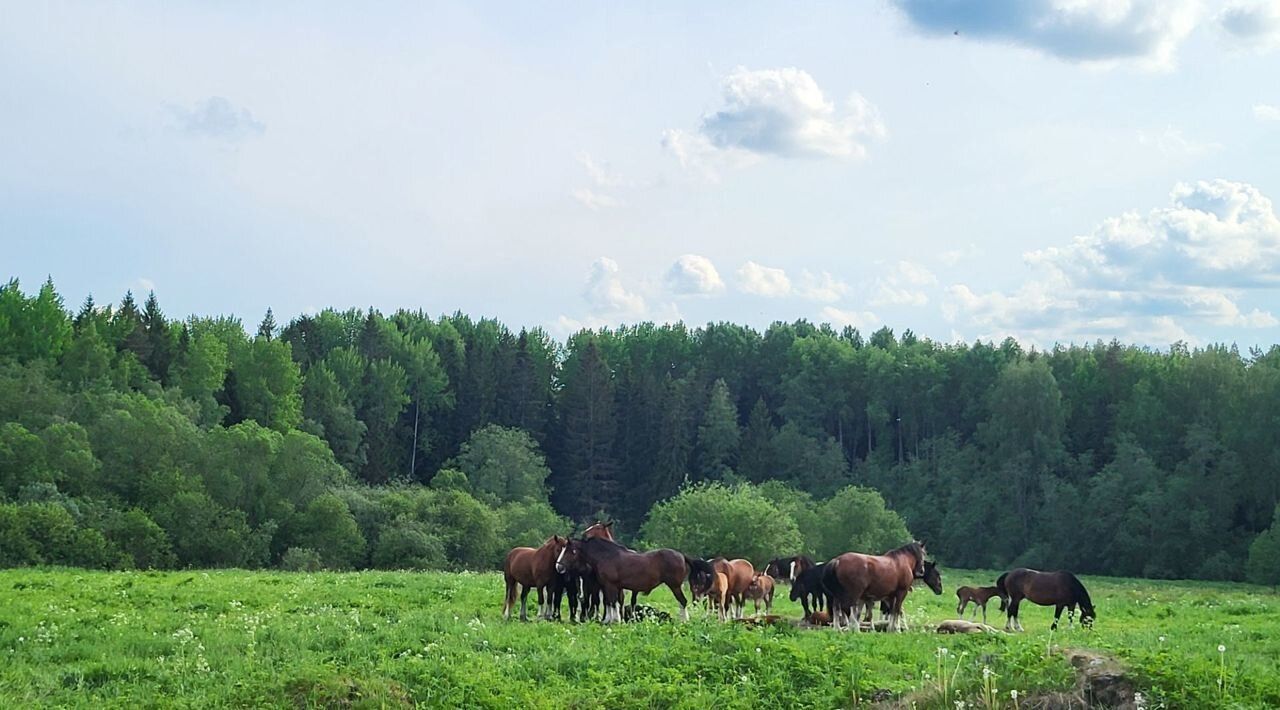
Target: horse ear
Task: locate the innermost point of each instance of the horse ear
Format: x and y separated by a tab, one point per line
609	524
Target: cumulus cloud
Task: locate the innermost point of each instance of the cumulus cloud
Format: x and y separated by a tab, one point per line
1266	112
1144	276
1099	31
218	118
1254	24
692	275
821	286
760	280
607	294
862	320
776	112
903	285
605	180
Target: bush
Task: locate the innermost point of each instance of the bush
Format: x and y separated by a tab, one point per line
406	544
1264	555
138	536
529	524
856	519
46	534
503	465
468	528
328	527
301	559
713	519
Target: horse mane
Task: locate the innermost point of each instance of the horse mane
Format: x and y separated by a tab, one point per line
912	548
607	548
804	558
1082	594
697	566
1000	585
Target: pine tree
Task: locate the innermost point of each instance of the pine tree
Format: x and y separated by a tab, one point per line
588	471
158	352
267	328
718	435
755	458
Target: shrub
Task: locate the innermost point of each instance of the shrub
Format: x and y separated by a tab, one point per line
503	465
327	526
530	523
138	536
406	544
856	519
713	519
301	559
1264	555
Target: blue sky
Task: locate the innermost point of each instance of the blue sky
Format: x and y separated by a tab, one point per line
1055	170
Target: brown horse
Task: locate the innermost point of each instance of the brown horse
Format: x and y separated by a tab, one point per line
1056	589
979	596
932	579
532	569
761	590
854	577
718	593
617	569
740	573
604	531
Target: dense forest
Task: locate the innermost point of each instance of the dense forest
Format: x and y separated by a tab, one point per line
353	438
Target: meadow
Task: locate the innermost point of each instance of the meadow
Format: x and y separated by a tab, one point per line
74	638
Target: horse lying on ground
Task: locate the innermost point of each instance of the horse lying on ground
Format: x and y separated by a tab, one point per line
1057	589
531	568
761	590
979	596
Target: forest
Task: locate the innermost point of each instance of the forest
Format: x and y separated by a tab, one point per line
352	439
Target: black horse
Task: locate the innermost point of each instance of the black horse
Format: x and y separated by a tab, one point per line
1057	589
786	569
807	588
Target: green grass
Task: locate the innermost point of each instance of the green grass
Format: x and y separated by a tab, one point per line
377	639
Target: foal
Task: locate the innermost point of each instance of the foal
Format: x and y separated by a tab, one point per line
979	596
761	590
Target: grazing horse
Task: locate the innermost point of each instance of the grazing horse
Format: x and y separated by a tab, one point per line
786	569
979	596
761	590
618	569
1057	589
740	573
532	569
807	589
853	576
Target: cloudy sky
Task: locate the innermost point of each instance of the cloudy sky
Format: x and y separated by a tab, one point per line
1056	170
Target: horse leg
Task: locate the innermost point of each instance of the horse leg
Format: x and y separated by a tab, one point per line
1011	610
633	604
677	591
984	613
524	600
1057	614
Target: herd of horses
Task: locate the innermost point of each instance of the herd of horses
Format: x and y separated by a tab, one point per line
594	572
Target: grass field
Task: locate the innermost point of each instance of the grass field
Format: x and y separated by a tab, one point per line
378	639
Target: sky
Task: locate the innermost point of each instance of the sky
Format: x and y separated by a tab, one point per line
1057	171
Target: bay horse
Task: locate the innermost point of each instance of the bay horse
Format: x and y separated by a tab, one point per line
932	579
853	576
531	568
740	573
599	529
786	569
617	569
718	592
1057	589
807	589
586	583
761	590
979	596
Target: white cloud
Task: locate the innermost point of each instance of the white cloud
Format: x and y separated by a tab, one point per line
821	287
762	280
862	320
1254	24
951	257
606	293
901	286
1094	31
1266	112
600	172
777	112
1174	144
692	274
145	285
593	200
218	118
1142	276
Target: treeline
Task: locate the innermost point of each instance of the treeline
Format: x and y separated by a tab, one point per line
1104	458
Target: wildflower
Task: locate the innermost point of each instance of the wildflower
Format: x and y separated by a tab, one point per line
986	672
1161	639
1013	694
1222	649
757	649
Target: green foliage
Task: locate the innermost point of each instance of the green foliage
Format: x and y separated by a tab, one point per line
530	523
327	526
855	519
301	559
408	544
503	465
46	534
712	519
1264	555
137	535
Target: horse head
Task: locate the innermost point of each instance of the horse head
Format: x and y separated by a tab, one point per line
932	576
570	557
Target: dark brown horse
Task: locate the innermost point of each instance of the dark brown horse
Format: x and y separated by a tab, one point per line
617	569
739	573
786	569
598	529
853	577
532	569
1057	589
979	596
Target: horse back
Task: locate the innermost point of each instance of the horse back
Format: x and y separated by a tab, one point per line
876	575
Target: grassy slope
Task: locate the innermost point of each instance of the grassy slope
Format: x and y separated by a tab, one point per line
374	639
